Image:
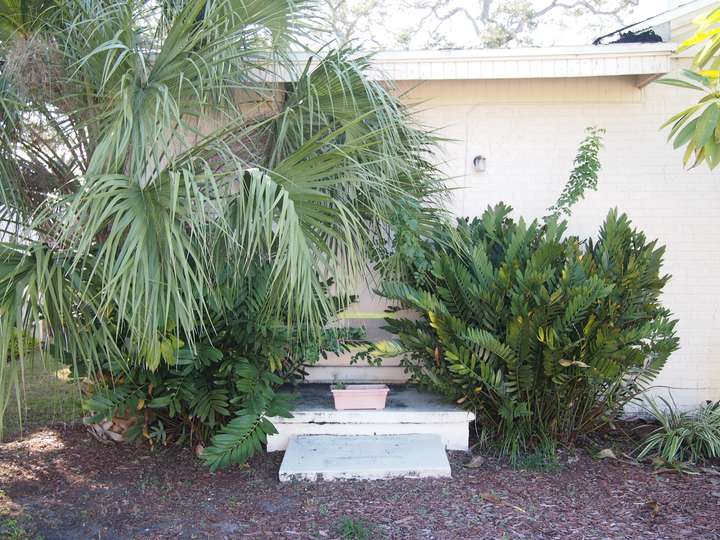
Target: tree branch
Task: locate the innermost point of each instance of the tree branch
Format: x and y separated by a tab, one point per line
584	4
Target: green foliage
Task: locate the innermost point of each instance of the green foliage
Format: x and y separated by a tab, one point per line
21	343
152	153
353	529
682	436
15	523
21	17
698	127
541	459
707	36
584	175
47	396
543	336
223	391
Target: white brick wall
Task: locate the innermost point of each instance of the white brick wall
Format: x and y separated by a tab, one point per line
529	131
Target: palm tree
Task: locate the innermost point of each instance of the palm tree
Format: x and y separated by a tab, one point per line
147	148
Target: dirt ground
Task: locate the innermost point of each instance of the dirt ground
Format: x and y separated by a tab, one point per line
60	483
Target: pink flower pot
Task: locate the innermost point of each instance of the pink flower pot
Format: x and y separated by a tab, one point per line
360	396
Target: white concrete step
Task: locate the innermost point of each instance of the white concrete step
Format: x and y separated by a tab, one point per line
364	457
408	411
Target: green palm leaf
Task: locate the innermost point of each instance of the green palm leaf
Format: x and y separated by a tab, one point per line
177	144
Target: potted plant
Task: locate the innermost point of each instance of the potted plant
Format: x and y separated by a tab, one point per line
359	396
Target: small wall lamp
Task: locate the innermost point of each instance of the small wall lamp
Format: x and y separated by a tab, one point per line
480	164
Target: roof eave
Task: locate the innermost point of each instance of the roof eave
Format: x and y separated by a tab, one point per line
642	60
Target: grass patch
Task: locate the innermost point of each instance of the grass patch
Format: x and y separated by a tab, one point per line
354	529
540	460
14	524
11	529
47	396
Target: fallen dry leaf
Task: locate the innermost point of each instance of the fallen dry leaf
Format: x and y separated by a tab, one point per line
654	507
475	463
496	500
606	453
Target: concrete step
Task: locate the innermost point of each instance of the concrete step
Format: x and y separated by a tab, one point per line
409	410
364	457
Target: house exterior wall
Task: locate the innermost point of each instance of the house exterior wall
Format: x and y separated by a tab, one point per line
529	131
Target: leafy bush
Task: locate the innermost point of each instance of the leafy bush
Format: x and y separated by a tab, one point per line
149	148
698	127
682	436
584	175
543	336
220	392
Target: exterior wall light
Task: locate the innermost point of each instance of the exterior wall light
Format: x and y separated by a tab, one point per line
480	164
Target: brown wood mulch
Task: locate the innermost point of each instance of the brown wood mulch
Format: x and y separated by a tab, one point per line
62	484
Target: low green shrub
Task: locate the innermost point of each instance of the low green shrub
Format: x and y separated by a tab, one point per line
540	334
682	436
220	393
354	529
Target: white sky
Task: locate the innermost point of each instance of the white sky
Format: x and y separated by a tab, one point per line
585	32
553	30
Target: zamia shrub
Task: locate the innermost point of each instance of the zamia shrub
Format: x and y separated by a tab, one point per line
220	394
682	436
542	335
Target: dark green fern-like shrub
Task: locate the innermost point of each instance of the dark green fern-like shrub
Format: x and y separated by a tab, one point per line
219	395
542	335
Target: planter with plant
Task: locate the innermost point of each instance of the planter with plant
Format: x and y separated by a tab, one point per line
359	396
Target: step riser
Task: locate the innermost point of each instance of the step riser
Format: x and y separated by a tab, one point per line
319	477
453	435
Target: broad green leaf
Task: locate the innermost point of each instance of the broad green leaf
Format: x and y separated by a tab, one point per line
706	125
679	83
685	134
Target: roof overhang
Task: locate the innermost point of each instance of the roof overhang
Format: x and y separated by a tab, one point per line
645	61
671	15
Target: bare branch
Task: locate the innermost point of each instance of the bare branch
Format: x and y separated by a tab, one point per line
493	23
589	7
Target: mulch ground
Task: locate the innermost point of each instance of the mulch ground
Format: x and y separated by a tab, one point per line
60	483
